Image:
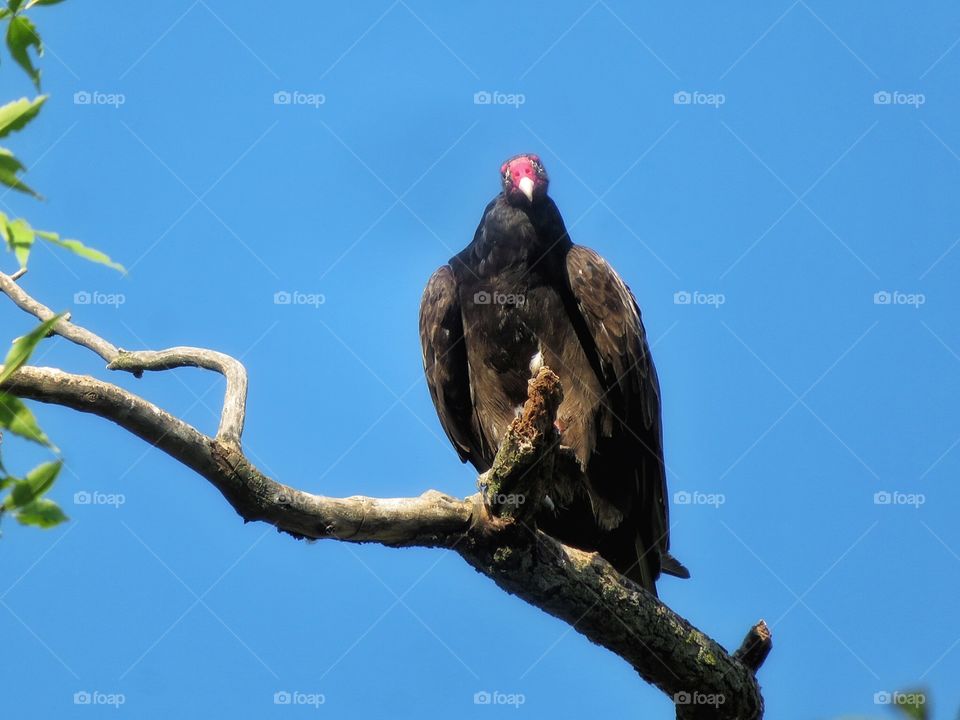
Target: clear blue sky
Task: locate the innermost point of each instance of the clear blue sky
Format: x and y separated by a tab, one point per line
794	197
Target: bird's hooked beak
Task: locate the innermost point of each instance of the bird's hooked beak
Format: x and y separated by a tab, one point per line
526	187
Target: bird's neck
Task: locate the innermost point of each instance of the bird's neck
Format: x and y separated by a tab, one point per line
519	236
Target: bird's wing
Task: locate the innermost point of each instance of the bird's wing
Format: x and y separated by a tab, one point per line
613	320
445	362
631	406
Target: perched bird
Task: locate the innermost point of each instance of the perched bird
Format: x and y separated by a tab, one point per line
522	296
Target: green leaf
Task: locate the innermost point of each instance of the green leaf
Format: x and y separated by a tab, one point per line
41	513
33	486
23	347
912	704
21	36
16	417
78	248
14	5
5	13
5	482
9	167
15	115
42	2
21	239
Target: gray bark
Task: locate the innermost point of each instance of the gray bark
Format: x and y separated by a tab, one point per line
498	540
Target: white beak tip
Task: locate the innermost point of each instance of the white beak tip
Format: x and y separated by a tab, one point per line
526	187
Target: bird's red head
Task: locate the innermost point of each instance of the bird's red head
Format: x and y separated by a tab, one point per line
524	180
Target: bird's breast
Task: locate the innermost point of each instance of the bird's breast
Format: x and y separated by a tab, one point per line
513	328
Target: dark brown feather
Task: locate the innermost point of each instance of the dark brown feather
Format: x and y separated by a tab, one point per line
583	320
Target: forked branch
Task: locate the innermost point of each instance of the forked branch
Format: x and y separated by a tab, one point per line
497	538
136	362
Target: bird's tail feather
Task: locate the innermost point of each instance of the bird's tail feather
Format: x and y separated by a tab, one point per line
669	565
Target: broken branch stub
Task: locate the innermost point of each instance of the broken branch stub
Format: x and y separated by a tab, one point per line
515	486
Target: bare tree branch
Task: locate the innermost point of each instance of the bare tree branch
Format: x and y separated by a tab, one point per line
498	539
64	328
756	646
235	398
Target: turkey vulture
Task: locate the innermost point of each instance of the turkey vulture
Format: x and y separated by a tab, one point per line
522	296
